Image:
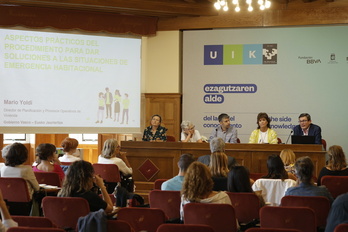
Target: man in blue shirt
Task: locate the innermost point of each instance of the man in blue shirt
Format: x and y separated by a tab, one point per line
175	184
225	131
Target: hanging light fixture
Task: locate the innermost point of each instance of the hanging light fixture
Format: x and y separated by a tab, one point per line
222	4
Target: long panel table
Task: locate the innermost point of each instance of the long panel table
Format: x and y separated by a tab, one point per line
158	160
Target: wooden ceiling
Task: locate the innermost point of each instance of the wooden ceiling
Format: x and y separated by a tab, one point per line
154	8
168	14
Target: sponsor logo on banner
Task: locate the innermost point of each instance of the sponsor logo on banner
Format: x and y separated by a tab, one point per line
332	59
309	59
240	54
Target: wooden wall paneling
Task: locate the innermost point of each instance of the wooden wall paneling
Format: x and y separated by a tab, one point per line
242	157
169	107
90	152
1	146
55	139
259	162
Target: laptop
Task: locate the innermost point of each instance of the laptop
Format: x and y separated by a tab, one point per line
302	139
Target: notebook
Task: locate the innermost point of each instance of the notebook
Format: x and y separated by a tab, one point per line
302	139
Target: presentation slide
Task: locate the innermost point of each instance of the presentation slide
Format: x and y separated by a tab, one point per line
281	71
69	83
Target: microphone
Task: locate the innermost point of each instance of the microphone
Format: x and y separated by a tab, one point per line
289	136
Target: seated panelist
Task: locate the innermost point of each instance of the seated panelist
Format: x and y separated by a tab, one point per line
155	132
263	133
306	127
225	131
189	134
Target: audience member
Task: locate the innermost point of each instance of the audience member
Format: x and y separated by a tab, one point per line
155	132
48	160
217	145
7	221
188	133
111	155
69	146
225	131
263	133
275	183
304	171
238	181
16	156
4	153
338	213
219	170
288	157
276	169
198	187
175	184
79	182
336	166
306	127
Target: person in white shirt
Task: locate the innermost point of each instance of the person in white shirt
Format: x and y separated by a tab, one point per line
7	221
189	134
111	155
69	146
15	158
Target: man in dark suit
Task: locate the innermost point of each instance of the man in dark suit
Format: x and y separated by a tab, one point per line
307	128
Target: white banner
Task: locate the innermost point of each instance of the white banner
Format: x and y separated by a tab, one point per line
280	71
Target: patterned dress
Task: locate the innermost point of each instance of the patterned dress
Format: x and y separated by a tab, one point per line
160	134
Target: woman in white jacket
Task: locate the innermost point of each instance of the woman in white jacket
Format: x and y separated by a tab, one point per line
111	155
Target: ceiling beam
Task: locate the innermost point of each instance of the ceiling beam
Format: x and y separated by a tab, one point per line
137	7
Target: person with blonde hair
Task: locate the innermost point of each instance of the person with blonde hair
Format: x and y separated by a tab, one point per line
336	164
198	187
189	134
111	154
288	157
219	169
69	146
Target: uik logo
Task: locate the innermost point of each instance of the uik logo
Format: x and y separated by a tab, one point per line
238	54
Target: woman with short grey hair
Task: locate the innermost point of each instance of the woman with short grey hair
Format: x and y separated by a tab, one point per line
189	134
111	154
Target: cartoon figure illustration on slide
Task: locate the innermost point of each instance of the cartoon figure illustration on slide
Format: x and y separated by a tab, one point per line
108	102
125	104
117	108
101	103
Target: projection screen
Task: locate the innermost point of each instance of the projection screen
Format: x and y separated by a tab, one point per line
69	83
